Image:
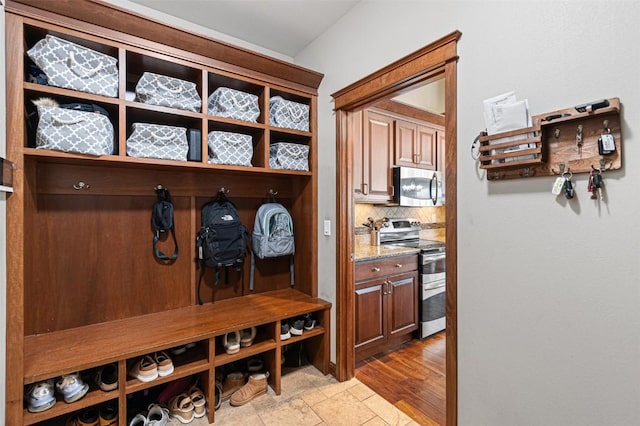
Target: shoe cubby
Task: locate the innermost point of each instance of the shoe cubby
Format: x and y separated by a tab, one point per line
98	207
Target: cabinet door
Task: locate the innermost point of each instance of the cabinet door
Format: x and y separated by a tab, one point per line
354	122
425	147
405	143
370	318
402	302
378	157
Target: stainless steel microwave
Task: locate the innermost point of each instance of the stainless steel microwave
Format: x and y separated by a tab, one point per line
414	187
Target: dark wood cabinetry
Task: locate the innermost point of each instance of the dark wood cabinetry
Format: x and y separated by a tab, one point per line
84	289
386	303
415	145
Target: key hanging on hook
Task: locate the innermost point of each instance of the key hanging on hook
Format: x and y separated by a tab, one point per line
606	142
579	139
569	191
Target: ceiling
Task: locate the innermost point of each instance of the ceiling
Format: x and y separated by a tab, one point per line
283	26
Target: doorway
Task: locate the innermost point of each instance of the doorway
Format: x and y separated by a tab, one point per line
414	70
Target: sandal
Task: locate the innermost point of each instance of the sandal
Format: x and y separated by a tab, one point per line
165	365
198	400
145	369
182	408
231	342
247	336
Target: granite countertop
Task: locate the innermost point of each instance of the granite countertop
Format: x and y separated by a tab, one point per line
369	252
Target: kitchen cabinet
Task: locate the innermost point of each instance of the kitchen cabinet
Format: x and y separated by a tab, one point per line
415	145
440	150
373	158
386	303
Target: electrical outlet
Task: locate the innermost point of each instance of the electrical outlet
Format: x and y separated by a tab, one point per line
327	227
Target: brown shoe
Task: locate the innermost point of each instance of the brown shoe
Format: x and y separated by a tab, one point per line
256	386
233	382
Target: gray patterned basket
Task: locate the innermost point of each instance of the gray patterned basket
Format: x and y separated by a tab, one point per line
288	114
71	66
68	130
290	156
230	148
232	103
156	89
158	141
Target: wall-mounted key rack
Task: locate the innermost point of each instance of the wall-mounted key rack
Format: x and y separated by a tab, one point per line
577	140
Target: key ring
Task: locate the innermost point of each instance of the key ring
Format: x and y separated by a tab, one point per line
567	173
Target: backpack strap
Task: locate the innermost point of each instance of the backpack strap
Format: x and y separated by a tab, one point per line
291	269
163	213
252	270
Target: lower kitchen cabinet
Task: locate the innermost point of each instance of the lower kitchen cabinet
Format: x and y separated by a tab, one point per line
386	302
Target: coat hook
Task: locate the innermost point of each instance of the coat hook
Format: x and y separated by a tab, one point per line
561	167
603	166
81	185
273	193
223	191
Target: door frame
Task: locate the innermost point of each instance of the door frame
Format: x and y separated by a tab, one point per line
429	63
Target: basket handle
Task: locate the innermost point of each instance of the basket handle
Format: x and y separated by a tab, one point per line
68	122
294	152
293	114
169	89
89	72
239	105
233	142
162	138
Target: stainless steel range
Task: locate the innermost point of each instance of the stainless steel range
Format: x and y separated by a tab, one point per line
405	232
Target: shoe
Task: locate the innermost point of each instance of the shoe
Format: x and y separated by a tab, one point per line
182	408
157	416
179	350
254	365
309	322
232	383
108	415
199	401
139	420
41	396
165	365
297	326
145	369
231	342
88	417
71	387
107	378
284	331
256	386
247	336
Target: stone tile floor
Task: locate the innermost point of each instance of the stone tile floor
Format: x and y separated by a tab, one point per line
310	398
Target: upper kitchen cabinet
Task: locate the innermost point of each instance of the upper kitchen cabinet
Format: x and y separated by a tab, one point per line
440	149
373	157
415	145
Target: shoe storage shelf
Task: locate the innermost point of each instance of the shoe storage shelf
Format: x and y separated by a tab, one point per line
84	289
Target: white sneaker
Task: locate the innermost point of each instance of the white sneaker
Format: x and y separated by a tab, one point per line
157	416
41	396
71	387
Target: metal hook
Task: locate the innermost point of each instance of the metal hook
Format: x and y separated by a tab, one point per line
158	187
561	167
603	166
273	193
528	172
81	185
223	191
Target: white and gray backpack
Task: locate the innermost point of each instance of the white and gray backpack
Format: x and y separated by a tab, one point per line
272	236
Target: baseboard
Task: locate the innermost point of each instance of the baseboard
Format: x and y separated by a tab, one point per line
332	369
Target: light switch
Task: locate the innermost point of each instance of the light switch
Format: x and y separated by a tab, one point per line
327	227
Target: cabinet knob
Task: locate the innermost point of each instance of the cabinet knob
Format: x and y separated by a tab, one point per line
398	265
375	269
365	189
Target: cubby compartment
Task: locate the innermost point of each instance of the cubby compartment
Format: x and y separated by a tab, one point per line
235	109
227	144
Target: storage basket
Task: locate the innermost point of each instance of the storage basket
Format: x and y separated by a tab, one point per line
156	89
158	141
232	103
68	130
71	66
288	114
290	156
230	148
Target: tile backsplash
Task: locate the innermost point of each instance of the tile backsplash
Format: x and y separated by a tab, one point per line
424	215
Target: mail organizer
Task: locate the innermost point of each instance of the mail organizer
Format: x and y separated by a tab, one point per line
574	139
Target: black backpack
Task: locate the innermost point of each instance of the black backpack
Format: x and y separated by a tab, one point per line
222	239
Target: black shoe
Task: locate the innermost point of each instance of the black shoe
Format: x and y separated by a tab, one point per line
309	322
284	331
296	327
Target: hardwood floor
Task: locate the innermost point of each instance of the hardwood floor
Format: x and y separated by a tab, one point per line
411	377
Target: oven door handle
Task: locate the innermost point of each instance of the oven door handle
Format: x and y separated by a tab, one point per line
427	258
436	285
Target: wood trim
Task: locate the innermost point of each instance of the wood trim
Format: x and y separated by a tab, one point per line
118	19
434	59
399	75
409	111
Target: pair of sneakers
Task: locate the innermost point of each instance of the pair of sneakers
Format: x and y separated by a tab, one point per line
104	415
149	368
296	326
156	415
41	396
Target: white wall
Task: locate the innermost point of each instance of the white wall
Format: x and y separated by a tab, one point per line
548	291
